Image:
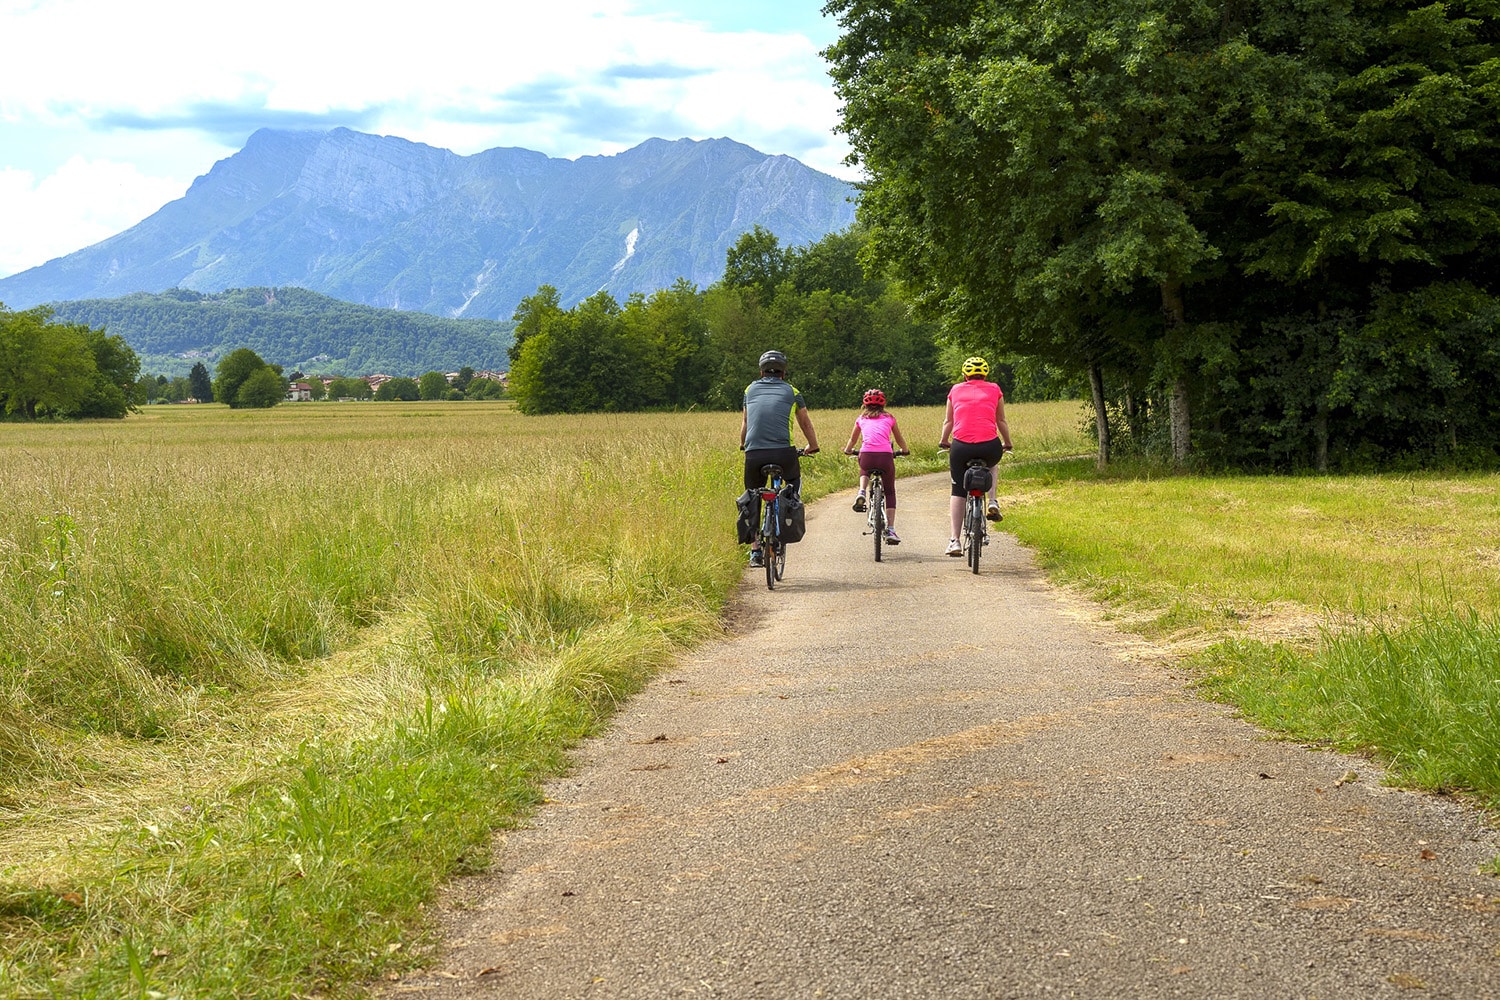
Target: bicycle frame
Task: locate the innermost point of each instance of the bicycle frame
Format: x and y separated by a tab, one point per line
773	550
976	531
876	519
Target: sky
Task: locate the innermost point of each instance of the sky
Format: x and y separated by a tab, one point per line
110	109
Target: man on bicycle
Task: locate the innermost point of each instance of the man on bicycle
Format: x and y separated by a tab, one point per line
771	405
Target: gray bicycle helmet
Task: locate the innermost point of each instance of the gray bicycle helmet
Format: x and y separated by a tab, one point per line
773	361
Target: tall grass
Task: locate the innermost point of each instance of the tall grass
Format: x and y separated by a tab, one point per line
268	677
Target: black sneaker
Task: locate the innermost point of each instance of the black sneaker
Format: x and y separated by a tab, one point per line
859	503
993	513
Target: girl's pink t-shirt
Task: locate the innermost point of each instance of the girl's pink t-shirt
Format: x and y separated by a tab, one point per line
875	432
974	404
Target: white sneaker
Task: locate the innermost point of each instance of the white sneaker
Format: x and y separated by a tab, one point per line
955	549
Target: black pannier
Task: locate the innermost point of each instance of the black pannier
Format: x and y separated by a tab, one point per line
745	523
977	478
793	516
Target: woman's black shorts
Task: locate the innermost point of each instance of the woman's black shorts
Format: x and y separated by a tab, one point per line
960	453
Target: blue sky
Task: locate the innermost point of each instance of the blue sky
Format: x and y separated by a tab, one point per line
108	109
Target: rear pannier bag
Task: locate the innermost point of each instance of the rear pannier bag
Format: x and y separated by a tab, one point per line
793	517
977	478
744	524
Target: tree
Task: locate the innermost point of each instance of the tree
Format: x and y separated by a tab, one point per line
401	388
113	391
316	390
46	368
350	388
671	326
1223	210
585	360
484	388
432	385
262	389
199	384
233	371
532	316
757	261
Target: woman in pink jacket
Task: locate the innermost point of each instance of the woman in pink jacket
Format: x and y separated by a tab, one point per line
974	427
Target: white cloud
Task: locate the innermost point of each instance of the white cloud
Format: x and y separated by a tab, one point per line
82	203
545	76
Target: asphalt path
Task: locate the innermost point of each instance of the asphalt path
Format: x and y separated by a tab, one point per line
905	780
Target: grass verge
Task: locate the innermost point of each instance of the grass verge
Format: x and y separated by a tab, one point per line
1361	612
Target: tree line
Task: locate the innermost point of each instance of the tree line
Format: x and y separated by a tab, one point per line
1264	231
682	347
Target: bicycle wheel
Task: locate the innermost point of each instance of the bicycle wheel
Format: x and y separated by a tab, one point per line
877	515
780	561
974	529
768	541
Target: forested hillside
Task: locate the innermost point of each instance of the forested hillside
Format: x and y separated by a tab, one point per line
292	327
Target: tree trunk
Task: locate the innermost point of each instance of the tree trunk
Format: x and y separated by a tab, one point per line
1174	315
1320	438
1101	415
1133	415
1181	421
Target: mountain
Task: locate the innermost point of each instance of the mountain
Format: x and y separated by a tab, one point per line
293	327
386	222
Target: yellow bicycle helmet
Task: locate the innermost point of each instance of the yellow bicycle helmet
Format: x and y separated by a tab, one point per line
976	367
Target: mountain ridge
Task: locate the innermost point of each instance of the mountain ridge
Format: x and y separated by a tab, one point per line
386	222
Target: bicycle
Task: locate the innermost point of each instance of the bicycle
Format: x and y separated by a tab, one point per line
875	522
772	548
976	532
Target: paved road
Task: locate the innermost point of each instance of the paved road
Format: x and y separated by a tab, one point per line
902	780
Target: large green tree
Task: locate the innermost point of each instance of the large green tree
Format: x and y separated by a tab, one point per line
233	370
432	385
585	360
1162	189
113	391
63	369
262	389
532	314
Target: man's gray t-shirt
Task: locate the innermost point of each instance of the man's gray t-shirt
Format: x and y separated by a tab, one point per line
770	410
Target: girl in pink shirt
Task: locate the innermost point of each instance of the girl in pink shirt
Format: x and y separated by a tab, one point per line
874	427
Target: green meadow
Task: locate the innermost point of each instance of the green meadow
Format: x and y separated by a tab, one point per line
270	676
